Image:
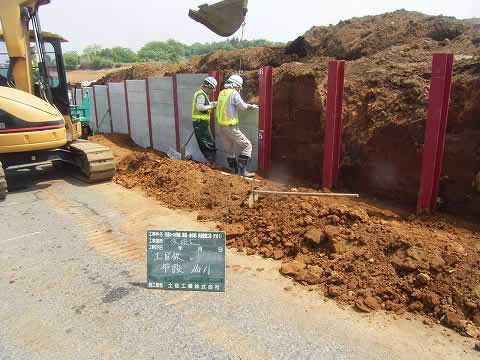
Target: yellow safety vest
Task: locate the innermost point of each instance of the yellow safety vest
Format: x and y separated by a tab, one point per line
222	116
197	115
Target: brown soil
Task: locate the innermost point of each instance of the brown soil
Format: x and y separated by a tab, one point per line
77	76
359	253
386	96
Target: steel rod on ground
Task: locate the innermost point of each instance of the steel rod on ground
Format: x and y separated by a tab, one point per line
265	192
254	195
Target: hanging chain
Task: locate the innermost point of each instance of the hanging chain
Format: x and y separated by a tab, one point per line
241	40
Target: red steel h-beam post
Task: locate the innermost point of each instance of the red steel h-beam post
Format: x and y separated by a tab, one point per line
333	126
435	130
175	111
265	85
127	108
149	112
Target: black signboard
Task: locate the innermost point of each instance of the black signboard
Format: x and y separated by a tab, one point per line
186	260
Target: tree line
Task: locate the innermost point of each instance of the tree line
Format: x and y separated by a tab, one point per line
162	52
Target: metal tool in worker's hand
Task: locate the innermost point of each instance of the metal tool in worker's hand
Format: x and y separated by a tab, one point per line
182	148
173	154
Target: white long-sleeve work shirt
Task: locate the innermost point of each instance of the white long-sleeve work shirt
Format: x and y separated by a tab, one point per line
200	105
234	103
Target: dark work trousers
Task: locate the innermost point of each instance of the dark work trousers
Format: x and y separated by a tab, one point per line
205	139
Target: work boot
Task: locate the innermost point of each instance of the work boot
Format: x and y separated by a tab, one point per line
242	165
232	164
211	158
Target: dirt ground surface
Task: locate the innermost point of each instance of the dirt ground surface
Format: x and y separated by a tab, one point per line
78	76
387	80
359	253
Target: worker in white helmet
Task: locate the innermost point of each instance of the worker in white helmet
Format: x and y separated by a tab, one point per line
201	110
229	102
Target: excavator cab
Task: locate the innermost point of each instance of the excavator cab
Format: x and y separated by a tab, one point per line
224	18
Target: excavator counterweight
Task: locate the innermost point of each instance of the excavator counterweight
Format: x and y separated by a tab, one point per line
224	18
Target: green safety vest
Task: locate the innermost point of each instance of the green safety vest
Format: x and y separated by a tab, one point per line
35	68
222	116
35	60
200	115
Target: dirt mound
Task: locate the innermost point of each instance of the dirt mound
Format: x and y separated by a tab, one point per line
359	254
385	107
251	60
366	36
182	184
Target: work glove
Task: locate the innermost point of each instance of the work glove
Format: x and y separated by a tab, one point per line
252	106
213	104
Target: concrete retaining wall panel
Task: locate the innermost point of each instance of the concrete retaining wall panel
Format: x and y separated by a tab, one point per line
119	109
162	111
187	84
78	96
137	107
103	113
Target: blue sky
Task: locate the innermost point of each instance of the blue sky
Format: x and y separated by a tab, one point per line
133	23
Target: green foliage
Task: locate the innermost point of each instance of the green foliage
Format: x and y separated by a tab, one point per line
95	63
123	55
163	52
92	50
71	60
167	52
98	62
106	53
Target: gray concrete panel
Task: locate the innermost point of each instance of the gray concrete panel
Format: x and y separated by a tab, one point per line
103	113
162	111
187	84
78	96
137	108
119	109
92	106
248	124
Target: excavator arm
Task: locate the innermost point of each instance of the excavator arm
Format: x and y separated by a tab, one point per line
224	18
14	20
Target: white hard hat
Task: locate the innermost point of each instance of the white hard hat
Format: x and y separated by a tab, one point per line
210	82
235	80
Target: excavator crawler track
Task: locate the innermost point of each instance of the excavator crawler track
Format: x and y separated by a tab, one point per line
95	161
3	184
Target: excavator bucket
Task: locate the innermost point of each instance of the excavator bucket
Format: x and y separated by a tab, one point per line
223	18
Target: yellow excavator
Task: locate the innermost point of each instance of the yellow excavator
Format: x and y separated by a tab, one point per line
35	121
